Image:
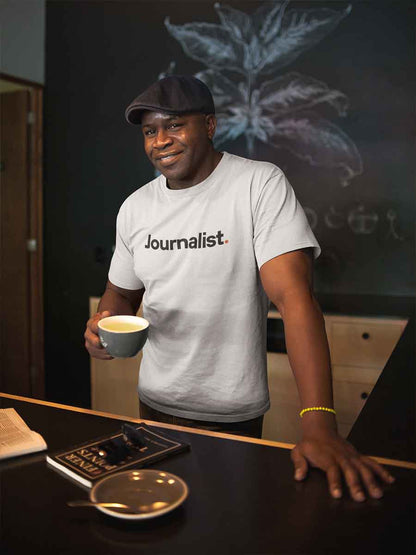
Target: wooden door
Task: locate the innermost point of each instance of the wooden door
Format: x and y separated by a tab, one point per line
21	299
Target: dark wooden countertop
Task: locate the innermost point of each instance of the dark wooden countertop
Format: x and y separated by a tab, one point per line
243	500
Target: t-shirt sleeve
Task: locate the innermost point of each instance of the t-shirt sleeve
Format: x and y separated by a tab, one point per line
279	222
121	271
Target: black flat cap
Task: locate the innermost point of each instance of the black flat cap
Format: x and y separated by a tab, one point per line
176	94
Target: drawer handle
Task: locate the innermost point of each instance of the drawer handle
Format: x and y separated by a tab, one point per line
364	395
365	335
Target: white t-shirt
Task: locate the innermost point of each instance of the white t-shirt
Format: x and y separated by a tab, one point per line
197	253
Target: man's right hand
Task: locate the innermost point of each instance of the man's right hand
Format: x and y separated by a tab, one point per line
92	341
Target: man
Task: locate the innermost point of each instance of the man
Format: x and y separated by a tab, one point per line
206	245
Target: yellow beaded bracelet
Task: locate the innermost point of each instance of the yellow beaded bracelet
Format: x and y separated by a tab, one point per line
326	409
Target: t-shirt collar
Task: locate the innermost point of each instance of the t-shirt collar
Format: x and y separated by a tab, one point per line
199	187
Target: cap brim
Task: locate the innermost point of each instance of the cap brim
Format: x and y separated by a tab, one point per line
134	113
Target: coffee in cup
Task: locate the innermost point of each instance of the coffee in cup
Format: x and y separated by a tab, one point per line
123	336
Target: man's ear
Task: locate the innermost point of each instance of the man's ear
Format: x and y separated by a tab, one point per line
211	124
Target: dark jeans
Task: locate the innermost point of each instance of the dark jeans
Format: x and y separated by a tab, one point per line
248	428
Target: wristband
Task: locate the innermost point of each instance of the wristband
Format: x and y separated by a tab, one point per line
325	409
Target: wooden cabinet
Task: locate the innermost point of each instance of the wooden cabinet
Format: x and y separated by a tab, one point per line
362	342
114	382
360	348
281	422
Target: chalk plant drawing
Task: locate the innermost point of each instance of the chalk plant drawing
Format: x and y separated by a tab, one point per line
245	57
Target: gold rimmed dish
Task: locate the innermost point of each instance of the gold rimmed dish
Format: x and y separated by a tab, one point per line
149	493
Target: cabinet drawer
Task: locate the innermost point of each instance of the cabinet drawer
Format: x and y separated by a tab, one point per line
357	374
363	344
349	399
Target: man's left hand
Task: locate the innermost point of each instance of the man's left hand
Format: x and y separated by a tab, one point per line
340	460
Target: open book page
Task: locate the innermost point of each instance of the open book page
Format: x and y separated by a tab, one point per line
16	438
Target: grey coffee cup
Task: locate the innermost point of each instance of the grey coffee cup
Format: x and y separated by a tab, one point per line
123	336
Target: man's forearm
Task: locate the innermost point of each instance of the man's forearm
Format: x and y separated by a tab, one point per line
308	353
287	280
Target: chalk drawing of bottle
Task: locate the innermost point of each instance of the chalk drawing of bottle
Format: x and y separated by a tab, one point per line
334	219
362	221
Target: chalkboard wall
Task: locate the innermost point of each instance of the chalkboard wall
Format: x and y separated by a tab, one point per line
336	113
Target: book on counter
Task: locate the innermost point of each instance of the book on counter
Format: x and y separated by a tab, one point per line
135	446
16	438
